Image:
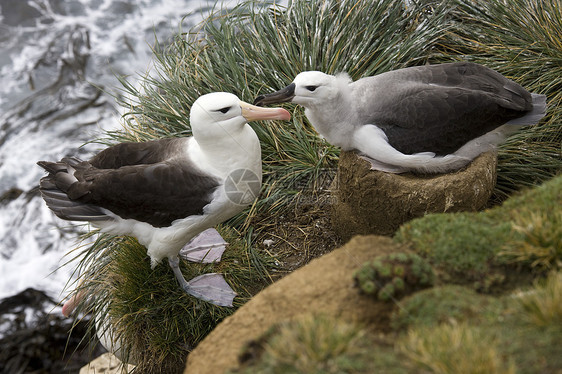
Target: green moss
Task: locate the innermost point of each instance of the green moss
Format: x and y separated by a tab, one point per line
532	345
437	305
463	243
534	350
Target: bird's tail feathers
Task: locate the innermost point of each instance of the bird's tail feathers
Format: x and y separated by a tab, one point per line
52	167
72	161
54	188
535	115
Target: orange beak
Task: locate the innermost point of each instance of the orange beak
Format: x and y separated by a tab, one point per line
256	113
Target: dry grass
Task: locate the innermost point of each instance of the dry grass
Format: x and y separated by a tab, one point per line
543	305
315	344
541	240
454	349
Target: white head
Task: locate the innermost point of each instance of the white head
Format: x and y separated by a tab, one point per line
221	114
314	87
309	89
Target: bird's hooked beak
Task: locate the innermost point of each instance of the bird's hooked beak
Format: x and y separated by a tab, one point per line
255	113
281	96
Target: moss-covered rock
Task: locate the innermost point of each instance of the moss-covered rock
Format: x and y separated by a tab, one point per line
487	248
393	276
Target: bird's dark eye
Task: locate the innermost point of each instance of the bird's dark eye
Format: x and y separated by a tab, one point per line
311	88
224	110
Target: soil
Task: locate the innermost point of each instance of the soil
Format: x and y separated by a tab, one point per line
298	235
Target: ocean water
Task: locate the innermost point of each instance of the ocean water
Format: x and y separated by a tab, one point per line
52	54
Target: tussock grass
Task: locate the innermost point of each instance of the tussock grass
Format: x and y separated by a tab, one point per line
542	305
156	323
437	305
454	349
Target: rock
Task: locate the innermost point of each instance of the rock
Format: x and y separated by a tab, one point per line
33	340
374	202
106	364
325	286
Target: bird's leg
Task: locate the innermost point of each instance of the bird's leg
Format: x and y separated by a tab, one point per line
207	247
175	265
72	303
208	287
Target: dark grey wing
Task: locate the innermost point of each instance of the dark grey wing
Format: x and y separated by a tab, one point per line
53	189
439	108
130	153
157	193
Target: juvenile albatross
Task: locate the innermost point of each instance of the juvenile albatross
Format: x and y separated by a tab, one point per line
166	192
429	119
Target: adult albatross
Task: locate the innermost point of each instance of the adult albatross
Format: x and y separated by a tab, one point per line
428	119
166	192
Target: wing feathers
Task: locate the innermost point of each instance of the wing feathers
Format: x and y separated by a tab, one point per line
65	208
139	185
441	107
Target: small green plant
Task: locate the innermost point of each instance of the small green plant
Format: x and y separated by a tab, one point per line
454	349
543	304
393	276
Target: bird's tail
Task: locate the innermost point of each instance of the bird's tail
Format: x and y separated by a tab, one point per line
54	190
534	116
